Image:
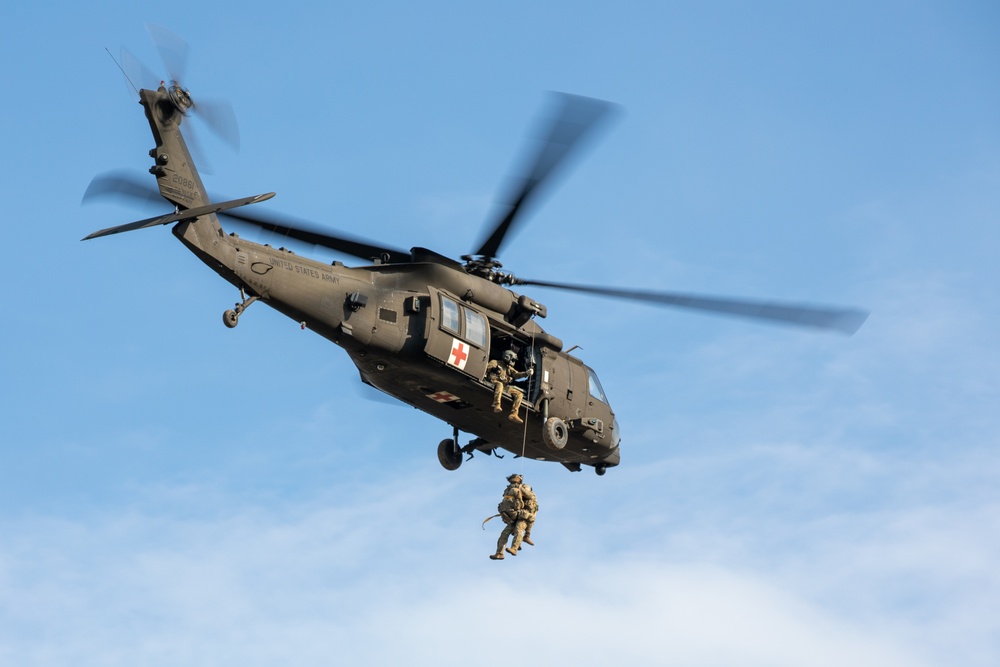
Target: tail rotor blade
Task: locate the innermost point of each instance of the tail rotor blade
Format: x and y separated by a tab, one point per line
173	50
137	75
217	114
220	118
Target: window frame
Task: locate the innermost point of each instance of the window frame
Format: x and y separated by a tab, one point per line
593	382
445	302
462	315
484	328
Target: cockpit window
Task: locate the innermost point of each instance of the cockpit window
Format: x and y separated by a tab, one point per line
595	387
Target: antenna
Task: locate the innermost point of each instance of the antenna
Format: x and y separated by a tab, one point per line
122	70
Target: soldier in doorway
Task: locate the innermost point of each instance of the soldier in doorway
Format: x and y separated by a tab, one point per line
511	510
501	374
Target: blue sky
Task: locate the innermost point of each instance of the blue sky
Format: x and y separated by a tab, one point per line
174	492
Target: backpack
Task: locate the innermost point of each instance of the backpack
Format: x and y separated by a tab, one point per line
510	505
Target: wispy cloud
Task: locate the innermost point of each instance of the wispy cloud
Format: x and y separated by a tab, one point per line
386	573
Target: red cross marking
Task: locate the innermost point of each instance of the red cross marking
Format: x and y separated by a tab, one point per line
458	354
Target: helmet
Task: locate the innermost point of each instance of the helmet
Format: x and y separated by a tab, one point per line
513	478
509	356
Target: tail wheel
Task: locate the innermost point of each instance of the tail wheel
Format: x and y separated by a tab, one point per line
555	433
449	455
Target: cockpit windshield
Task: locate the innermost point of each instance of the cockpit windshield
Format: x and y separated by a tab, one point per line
595	386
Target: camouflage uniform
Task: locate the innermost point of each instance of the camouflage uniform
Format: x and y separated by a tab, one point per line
501	374
530	509
511	510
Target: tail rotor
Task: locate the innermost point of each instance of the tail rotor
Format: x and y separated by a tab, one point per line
216	114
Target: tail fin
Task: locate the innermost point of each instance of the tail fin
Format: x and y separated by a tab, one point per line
176	175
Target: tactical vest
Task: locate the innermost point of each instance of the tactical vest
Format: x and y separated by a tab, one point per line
497	372
511	504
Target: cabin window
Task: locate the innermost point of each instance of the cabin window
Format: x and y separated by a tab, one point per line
595	387
475	328
449	316
464	322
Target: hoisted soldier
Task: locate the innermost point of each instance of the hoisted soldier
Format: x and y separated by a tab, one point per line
512	512
530	509
501	374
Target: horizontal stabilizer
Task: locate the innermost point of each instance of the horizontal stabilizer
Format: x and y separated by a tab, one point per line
186	214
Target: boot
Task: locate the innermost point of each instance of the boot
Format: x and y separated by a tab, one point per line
498	556
514	417
496	408
512	552
527	540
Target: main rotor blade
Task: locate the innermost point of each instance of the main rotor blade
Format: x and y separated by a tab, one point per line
576	117
844	320
122	185
302	231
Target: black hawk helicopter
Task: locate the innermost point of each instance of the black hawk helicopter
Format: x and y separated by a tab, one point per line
420	326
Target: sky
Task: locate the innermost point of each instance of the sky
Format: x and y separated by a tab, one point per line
175	492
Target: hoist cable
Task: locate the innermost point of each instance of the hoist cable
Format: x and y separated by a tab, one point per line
531	378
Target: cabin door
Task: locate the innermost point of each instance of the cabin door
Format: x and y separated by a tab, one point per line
457	335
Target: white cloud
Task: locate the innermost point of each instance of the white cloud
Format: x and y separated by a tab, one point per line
398	573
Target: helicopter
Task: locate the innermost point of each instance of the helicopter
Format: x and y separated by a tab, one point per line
419	326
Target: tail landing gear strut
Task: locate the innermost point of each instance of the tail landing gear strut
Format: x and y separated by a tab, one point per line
232	317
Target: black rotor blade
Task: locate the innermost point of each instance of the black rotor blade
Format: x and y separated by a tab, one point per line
844	320
122	185
574	120
302	231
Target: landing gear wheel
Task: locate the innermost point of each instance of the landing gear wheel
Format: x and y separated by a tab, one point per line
601	468
449	455
555	433
232	317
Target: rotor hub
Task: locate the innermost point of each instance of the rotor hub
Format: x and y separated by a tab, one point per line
180	97
487	267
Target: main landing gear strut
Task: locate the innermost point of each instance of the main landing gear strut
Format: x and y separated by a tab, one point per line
232	317
450	454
